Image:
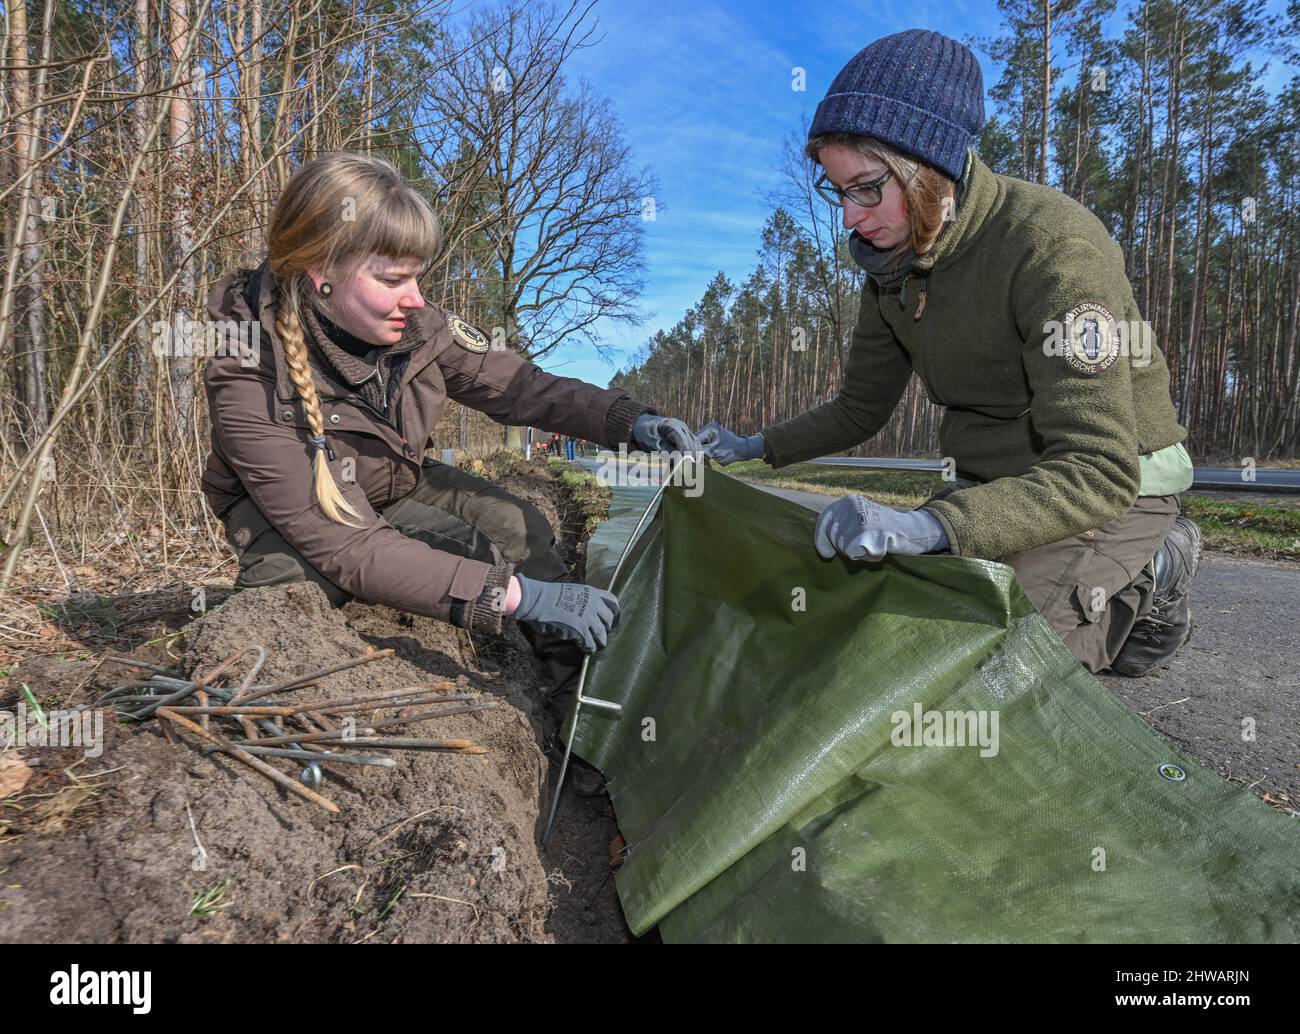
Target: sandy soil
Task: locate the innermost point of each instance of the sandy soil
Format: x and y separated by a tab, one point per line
441	848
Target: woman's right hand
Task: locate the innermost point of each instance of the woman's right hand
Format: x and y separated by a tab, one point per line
726	446
571	610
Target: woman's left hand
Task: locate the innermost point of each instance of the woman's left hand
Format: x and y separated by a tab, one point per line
857	527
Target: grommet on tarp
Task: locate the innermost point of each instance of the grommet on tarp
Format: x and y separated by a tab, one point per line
1172	772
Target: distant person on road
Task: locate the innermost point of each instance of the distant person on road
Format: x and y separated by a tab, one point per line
318	467
1010	302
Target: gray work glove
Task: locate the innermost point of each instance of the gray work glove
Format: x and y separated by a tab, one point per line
571	610
663	434
858	527
726	446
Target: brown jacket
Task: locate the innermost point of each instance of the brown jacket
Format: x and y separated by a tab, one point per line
260	446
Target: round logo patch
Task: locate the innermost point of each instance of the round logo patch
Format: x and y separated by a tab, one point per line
1091	338
469	338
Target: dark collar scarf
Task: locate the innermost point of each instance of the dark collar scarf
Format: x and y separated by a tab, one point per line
889	272
373	371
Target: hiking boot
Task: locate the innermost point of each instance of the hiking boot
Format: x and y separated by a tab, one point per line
1155	639
1177	559
1160	634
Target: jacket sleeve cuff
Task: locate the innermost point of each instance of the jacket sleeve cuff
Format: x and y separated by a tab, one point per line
954	547
484	613
618	422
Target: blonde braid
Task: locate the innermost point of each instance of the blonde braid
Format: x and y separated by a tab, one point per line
288	328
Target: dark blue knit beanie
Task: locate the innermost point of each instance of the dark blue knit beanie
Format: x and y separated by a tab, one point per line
918	91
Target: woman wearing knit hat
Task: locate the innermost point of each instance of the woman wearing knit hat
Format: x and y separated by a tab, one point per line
317	466
1010	302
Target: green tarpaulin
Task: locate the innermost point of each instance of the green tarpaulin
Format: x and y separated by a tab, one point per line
788	763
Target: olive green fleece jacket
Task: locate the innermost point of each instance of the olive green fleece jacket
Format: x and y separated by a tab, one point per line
1022	324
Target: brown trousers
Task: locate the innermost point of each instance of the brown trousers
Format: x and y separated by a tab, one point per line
448	509
1092	588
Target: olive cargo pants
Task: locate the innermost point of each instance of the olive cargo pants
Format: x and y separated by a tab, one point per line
1093	587
448	509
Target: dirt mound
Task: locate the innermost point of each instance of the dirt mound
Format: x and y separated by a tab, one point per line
441	847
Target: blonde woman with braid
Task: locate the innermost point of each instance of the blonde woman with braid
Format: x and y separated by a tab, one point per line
317	466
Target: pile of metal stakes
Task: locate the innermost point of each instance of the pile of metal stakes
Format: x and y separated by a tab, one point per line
328	734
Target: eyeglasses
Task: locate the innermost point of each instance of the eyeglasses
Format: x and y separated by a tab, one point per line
864	195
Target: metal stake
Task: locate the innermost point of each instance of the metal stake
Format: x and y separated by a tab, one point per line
607	705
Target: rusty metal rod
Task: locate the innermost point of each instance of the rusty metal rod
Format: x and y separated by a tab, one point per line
203	708
250	730
311	755
431	698
250	760
206	680
370	727
401	743
379	699
298	680
281	737
226	709
163	701
126	688
388	723
252	674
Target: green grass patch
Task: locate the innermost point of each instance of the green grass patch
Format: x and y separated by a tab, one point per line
586	491
207	903
1229	526
901	488
1270	532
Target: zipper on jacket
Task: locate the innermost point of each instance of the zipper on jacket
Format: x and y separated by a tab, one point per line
406	445
920	300
358	400
924	344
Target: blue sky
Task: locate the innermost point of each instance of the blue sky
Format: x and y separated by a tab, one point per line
703	91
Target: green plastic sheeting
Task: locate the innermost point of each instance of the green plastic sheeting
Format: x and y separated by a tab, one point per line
762	780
